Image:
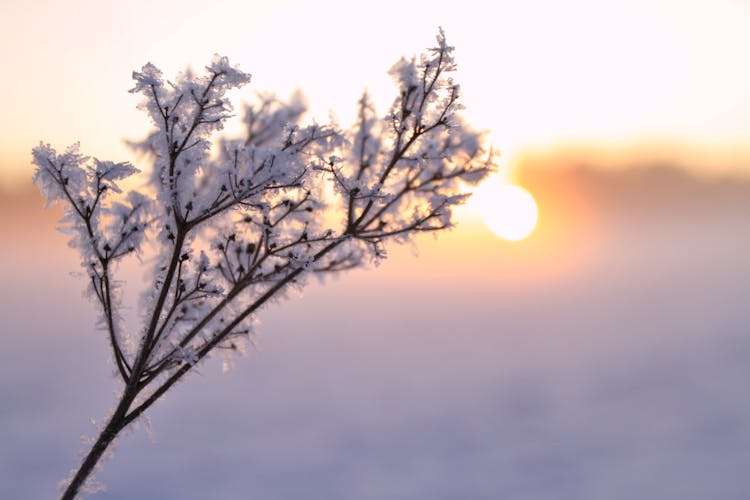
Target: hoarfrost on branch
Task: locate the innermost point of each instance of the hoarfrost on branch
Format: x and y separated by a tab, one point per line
237	221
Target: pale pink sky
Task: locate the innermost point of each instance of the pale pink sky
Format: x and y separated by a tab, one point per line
538	74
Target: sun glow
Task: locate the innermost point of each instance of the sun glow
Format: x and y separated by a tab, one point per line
508	210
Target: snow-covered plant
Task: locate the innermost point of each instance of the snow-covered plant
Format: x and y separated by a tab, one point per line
235	222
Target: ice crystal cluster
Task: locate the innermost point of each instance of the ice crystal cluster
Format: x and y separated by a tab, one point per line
237	221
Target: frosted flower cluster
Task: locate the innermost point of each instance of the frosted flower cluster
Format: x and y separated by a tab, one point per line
238	221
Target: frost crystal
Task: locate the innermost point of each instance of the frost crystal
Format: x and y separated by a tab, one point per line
238	222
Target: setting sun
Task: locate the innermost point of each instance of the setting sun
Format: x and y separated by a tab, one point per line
508	210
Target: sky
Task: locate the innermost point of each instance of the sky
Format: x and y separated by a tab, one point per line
605	356
625	79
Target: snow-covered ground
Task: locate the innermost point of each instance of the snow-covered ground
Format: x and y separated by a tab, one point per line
617	371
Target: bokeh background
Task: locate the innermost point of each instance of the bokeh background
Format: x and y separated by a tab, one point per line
606	356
